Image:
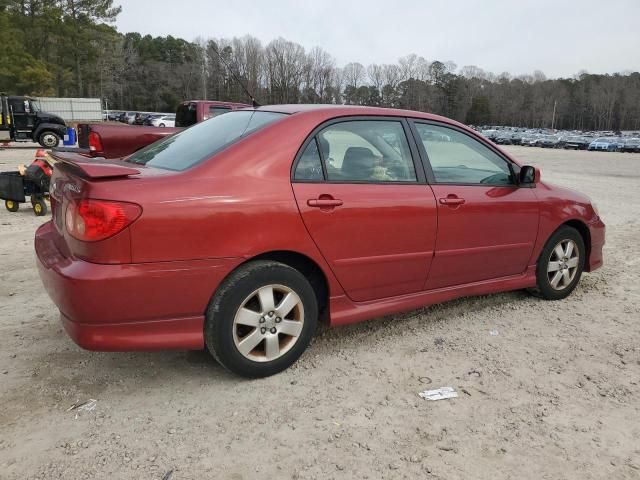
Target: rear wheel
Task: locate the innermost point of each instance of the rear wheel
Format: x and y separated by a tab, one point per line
560	264
39	207
161	125
49	139
261	319
11	205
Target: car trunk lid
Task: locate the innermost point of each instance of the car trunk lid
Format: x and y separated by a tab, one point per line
78	181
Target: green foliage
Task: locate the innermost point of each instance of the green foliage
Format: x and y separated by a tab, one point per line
480	112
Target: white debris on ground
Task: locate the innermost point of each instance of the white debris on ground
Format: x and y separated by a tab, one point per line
441	393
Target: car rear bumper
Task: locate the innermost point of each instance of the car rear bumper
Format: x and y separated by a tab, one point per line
147	306
597	231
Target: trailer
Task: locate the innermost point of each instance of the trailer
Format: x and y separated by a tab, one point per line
72	110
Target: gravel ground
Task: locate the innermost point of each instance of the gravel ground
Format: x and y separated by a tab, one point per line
555	394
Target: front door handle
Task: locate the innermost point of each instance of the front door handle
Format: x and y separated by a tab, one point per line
452	200
324	202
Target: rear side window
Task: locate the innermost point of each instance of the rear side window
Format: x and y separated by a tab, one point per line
372	151
309	165
186	115
195	144
215	111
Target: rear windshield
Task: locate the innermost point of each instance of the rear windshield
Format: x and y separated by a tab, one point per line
186	115
185	149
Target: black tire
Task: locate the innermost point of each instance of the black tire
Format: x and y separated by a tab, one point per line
49	139
240	285
39	207
544	287
162	125
11	205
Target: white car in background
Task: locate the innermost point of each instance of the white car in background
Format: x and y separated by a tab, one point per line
164	121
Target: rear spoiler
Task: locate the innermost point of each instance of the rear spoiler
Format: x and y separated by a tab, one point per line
97	167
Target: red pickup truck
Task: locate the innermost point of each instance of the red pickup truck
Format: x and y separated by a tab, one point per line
116	141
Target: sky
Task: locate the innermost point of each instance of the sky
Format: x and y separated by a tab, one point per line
560	37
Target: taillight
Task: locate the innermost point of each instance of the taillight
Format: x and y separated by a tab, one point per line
92	220
95	142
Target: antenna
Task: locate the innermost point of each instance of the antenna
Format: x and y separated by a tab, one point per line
254	102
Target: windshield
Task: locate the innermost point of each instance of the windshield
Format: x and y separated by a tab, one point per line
191	146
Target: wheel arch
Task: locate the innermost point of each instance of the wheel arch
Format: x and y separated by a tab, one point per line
309	268
59	130
305	265
584	232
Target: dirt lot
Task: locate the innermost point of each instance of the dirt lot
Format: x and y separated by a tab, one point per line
554	395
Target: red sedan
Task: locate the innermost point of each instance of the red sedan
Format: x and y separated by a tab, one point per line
243	232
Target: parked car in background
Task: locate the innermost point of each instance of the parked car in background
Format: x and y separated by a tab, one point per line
128	117
516	138
575	142
548	141
526	139
608	144
149	118
631	145
141	117
164	121
241	233
490	134
503	138
535	141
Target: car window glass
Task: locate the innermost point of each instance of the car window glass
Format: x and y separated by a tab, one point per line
367	151
460	159
203	140
186	115
215	111
18	107
309	165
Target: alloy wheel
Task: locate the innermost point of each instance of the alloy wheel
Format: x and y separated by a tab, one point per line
563	264
268	323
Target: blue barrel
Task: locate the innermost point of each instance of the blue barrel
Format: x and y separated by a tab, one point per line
70	137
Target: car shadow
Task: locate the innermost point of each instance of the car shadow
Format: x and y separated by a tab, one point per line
70	368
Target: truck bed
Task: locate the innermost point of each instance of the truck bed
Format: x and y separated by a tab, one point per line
115	141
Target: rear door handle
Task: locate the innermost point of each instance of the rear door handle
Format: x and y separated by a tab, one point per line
452	201
324	202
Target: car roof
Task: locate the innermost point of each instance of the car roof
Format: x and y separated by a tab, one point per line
331	111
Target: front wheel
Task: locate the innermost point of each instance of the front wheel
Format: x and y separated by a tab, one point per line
261	319
49	139
560	264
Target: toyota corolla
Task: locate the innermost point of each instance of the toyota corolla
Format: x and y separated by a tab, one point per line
242	233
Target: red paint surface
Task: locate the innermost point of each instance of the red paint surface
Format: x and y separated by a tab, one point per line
383	249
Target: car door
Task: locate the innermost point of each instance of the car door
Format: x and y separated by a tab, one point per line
487	224
362	195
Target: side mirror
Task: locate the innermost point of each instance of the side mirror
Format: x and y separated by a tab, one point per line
529	175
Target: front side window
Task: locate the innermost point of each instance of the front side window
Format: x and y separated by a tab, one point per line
366	151
457	158
203	140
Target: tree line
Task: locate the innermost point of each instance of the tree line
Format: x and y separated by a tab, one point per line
70	48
